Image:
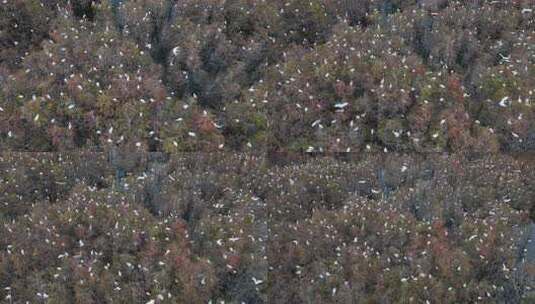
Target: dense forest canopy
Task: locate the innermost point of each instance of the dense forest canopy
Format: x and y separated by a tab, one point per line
194	227
267	151
252	75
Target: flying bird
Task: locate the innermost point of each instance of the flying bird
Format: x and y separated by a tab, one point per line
502	102
257	282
